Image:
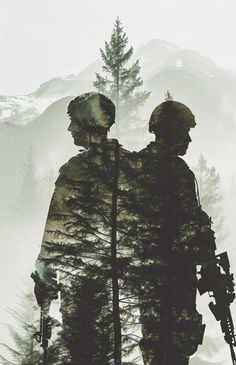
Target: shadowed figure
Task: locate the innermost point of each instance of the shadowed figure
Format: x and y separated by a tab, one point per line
77	239
146	202
173	236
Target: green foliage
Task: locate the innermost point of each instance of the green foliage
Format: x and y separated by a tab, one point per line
119	81
87	321
24	350
80	248
26	206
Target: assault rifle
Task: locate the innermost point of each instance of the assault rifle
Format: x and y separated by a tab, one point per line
44	334
45	292
217	280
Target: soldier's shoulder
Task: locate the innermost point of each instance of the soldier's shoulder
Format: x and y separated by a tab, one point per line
112	142
179	162
182	169
73	168
149	156
150	150
125	154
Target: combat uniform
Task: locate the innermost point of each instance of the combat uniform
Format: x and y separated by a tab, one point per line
173	236
77	243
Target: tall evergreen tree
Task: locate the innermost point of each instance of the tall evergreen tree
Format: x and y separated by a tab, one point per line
81	250
232	204
27	204
92	251
24	350
120	81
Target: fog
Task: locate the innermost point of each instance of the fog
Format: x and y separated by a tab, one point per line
41	39
183	46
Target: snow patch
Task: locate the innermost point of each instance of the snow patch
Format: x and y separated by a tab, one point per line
22	109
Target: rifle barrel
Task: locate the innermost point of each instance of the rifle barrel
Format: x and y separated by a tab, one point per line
45	356
232	354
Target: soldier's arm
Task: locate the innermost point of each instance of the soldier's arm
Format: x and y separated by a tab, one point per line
197	224
46	287
205	238
51	255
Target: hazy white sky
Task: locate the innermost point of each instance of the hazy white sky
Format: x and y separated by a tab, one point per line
40	39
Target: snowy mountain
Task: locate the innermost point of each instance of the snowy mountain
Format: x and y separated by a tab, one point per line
23	109
190	77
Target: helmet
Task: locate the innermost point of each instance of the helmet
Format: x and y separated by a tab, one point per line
93	110
171	114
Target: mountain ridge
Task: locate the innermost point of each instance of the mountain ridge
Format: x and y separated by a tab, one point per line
156	57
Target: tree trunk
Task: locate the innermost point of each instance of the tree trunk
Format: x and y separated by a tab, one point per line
118	101
114	268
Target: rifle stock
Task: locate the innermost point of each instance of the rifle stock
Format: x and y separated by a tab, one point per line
217	280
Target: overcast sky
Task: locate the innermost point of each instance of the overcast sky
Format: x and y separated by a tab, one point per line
41	39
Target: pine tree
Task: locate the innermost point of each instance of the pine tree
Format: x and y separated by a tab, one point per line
81	250
92	250
27	204
210	196
168	95
45	188
24	350
120	82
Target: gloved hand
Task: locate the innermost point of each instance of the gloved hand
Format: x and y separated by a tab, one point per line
44	291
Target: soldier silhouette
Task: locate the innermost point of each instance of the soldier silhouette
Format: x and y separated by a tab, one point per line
76	240
173	236
168	235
